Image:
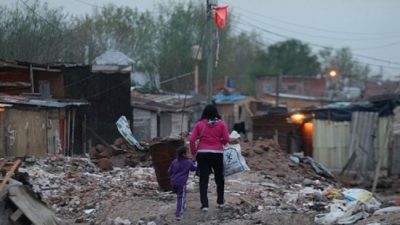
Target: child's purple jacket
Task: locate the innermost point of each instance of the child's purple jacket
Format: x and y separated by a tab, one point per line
179	171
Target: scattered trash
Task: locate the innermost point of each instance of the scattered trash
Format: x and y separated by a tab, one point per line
294	159
392	209
125	130
356	194
319	168
79	190
120	221
342	212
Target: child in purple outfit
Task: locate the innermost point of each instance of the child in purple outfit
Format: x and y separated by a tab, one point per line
179	173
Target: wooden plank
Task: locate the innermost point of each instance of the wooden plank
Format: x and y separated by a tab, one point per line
34	210
3	193
2	164
9	173
16	215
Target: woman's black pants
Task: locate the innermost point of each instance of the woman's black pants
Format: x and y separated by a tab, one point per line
208	163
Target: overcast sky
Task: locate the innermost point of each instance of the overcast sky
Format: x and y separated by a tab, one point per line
371	28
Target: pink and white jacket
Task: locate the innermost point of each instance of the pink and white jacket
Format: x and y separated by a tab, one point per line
213	135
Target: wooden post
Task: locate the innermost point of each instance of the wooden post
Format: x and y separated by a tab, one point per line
9	174
31	78
380	154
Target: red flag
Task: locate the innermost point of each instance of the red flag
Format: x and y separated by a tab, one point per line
220	15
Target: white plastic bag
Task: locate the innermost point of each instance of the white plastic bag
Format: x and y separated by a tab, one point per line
125	131
234	162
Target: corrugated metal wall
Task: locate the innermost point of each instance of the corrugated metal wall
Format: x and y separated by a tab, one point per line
331	141
142	124
394	162
179	123
396	120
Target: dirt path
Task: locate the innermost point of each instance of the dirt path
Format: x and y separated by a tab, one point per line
241	190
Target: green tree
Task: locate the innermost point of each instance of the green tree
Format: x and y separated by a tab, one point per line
291	57
343	61
180	26
237	58
120	28
33	32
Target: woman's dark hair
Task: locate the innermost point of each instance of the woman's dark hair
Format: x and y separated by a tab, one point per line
210	112
181	151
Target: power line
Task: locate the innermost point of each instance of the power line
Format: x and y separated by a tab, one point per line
176	77
321	46
314	28
377	59
315	44
87	3
37	14
323	37
378	47
365	48
104	7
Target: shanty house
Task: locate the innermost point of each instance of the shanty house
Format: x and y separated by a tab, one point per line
106	86
38	120
235	110
31	126
349	137
163	115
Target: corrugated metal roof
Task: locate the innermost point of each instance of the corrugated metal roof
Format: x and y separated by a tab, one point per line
34	101
27	65
165	102
113	57
295	96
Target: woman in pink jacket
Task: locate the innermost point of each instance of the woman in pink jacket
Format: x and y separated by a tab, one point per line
212	134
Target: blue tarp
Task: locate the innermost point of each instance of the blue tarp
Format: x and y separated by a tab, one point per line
221	97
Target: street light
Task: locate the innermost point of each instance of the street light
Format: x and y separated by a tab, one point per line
333	73
333	83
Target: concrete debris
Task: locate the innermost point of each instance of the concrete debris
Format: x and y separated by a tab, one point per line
120	221
276	190
74	188
119	154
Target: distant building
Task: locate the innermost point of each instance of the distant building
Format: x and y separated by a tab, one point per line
295	85
299	91
294	91
373	88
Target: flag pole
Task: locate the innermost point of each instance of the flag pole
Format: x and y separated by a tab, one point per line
210	52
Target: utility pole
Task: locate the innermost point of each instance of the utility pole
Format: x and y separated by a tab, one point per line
277	89
209	48
197	56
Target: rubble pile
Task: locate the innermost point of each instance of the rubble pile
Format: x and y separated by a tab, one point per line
119	154
265	155
279	188
74	188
